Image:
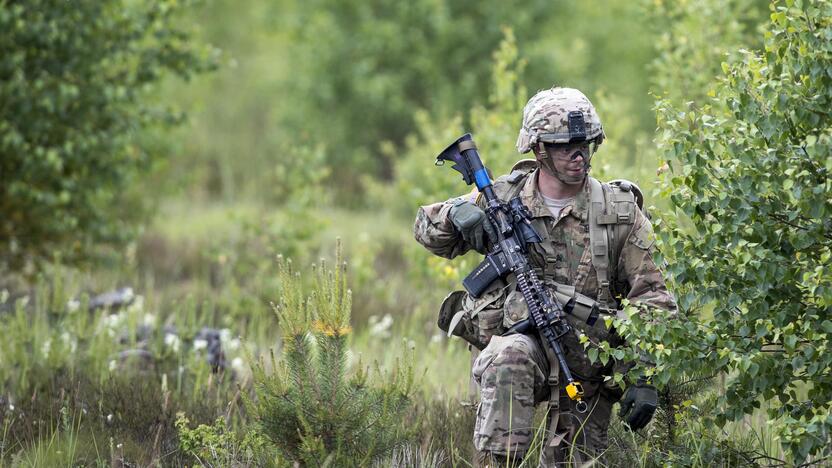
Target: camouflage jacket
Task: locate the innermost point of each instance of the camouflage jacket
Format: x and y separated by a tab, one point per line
563	256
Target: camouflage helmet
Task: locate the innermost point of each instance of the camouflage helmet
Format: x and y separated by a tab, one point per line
559	115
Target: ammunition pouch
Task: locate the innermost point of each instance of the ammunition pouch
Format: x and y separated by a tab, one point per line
450	314
583	308
475	320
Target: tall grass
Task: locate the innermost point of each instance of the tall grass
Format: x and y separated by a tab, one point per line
57	354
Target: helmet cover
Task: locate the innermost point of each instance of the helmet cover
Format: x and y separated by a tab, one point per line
558	115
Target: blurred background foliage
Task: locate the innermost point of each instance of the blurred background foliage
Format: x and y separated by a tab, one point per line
350	79
178	147
75	93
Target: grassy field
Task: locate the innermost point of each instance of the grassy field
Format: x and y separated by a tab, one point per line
94	387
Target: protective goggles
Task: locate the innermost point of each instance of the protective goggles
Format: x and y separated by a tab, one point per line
572	150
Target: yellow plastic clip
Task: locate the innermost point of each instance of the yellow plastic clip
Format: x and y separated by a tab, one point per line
575	390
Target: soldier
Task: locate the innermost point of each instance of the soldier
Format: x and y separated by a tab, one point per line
595	239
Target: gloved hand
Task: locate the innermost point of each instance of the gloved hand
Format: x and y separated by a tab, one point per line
638	405
471	221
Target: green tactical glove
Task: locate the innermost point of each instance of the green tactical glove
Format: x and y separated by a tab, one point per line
638	405
471	221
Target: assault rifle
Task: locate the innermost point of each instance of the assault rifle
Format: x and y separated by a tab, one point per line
508	254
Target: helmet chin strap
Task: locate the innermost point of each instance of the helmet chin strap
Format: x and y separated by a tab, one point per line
548	165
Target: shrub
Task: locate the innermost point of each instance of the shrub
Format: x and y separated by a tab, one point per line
750	256
74	78
218	445
309	406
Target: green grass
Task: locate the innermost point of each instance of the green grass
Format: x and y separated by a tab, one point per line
59	363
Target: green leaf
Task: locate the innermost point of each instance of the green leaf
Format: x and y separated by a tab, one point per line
592	354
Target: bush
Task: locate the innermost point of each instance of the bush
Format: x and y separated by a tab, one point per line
74	78
388	62
749	257
700	36
218	445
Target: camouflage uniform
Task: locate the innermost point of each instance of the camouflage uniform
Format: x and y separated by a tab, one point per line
514	371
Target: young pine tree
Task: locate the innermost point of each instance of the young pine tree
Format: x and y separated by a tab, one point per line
312	407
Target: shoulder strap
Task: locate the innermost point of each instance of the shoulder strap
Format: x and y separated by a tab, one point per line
524	166
624	202
510	185
611	217
599	239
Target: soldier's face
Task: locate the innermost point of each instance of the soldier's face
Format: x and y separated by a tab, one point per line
571	161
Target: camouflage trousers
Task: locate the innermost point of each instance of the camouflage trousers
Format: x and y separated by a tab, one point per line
512	373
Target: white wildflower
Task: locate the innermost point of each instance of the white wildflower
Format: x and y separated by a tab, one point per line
113	364
381	328
110	324
172	341
436	338
237	364
138	303
11	407
114	321
149	319
23	301
69	342
225	335
233	344
73	305
199	343
46	347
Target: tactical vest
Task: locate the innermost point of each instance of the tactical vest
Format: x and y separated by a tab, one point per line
610	217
